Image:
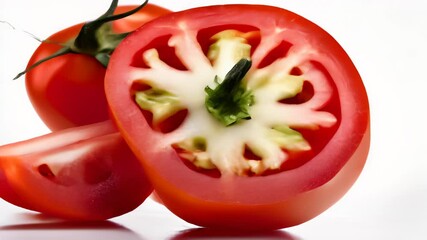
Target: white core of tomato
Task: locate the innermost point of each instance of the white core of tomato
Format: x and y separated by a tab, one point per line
267	133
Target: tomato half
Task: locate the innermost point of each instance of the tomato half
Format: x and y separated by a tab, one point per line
243	116
68	90
82	173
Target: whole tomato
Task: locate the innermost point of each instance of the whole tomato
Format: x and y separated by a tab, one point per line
65	75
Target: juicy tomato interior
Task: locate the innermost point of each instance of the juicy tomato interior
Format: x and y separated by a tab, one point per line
82	173
317	138
306	104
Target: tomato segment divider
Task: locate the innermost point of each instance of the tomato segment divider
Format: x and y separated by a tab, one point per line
82	173
287	144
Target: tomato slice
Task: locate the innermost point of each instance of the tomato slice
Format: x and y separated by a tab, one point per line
83	173
68	90
289	142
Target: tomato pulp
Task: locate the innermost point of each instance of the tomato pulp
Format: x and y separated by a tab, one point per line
294	140
82	173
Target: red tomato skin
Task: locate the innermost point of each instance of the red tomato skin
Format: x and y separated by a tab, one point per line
9	195
268	202
68	91
105	182
289	212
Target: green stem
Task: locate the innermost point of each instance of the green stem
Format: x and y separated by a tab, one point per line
88	42
229	102
96	38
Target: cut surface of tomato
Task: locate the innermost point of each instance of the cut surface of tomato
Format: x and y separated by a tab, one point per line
82	173
243	116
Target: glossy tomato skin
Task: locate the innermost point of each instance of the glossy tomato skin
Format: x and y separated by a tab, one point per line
273	201
68	91
82	173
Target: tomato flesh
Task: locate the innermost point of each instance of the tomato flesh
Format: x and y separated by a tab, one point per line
304	186
83	173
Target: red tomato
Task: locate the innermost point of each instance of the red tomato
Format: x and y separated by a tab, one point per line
296	143
68	91
83	173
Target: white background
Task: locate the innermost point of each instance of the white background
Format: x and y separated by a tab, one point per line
387	40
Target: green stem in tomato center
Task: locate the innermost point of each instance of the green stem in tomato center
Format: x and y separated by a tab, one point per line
96	38
229	101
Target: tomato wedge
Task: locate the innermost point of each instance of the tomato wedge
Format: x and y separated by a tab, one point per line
82	173
68	90
243	116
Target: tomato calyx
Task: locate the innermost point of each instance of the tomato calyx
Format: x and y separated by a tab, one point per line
96	38
229	101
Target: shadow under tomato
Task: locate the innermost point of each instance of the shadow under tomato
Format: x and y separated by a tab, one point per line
39	226
208	233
